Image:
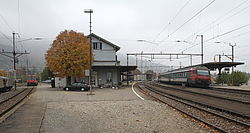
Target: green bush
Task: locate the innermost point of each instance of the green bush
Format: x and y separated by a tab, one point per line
46	74
236	78
223	79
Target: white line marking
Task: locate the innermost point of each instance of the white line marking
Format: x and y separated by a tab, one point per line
136	93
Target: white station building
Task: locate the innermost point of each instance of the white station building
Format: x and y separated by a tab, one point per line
107	71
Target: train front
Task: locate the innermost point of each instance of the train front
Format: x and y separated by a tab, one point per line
202	77
31	80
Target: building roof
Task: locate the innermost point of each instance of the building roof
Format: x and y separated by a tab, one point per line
121	68
220	65
105	41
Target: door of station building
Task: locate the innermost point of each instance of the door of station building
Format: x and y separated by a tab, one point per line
94	79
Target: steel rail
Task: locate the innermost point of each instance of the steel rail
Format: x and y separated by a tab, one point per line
163	93
206	105
190	115
14	96
245	92
199	108
209	95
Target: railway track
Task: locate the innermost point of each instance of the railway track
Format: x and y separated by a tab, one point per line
225	95
9	103
242	96
221	119
231	90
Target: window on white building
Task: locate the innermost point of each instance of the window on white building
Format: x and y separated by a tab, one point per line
97	45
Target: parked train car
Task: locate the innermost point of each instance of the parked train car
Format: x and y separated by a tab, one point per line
5	84
31	80
190	76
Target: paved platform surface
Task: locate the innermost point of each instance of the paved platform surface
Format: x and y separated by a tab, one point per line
52	110
27	119
242	87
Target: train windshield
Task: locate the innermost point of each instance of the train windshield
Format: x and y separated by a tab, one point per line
31	78
203	72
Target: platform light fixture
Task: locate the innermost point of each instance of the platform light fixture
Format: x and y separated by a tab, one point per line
90	11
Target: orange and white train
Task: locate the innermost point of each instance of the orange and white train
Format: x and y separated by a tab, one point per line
32	80
190	76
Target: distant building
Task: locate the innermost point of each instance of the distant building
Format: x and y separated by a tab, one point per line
107	71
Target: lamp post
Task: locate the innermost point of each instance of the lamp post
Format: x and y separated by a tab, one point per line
232	54
16	54
142	40
37	38
232	45
202	49
202	53
90	11
27	62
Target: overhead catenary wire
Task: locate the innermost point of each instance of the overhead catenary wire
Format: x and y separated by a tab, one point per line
189	20
239	47
5	36
225	33
204	29
18	10
238	35
4	20
172	20
243	9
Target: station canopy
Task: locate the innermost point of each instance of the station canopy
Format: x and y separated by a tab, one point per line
220	65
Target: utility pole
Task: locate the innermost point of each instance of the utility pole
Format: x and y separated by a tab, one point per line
141	65
127	70
90	11
191	60
202	54
27	65
136	62
14	58
232	54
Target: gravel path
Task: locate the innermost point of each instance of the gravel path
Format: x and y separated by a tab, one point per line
116	116
108	111
112	111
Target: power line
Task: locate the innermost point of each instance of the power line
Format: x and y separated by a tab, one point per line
6	36
245	33
227	32
218	36
243	46
221	17
6	23
172	19
235	14
18	10
190	19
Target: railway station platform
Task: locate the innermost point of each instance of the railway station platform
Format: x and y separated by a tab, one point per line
108	110
242	87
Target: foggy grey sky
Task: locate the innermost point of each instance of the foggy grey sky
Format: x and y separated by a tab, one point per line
123	22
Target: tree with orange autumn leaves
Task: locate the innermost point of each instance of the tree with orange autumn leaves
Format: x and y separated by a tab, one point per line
69	54
3	73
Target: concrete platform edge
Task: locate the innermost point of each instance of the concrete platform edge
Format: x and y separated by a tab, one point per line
5	116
